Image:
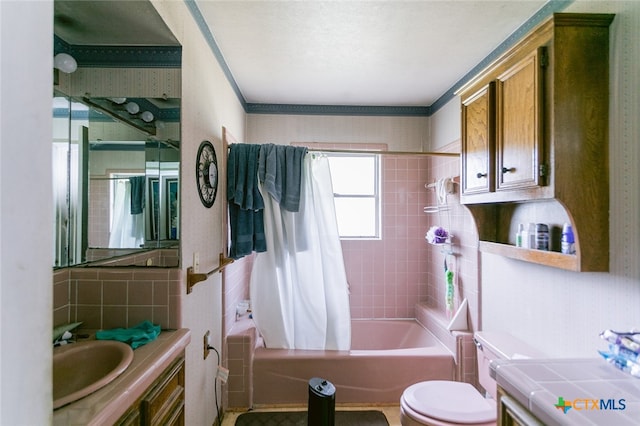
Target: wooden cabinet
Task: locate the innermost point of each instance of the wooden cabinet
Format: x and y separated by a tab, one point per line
163	403
511	413
535	129
519	124
478	141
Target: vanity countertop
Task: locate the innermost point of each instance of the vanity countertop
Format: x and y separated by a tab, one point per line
108	404
600	394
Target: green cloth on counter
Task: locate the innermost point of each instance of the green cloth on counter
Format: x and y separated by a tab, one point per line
137	336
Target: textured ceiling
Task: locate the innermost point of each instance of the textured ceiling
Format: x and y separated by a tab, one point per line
384	53
391	53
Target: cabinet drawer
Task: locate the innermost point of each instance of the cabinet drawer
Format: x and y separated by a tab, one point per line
513	414
165	400
132	418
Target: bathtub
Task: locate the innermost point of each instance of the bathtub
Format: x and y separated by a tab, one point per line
386	357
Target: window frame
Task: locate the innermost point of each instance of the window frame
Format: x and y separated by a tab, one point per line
376	196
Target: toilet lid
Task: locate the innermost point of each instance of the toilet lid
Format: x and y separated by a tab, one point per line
455	402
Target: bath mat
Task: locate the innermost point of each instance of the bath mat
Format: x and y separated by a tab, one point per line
299	418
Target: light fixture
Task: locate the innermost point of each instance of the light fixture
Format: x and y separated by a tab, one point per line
146	116
119	101
65	63
132	108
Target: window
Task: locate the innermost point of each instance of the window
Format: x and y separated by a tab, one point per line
356	191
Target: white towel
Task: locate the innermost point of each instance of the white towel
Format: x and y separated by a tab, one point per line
441	191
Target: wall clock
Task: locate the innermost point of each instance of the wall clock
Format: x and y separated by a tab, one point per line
207	173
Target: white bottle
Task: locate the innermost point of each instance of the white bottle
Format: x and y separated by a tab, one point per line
531	241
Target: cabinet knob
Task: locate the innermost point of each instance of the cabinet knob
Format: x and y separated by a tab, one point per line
508	170
481	175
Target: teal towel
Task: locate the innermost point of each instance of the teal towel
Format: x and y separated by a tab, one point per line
137	336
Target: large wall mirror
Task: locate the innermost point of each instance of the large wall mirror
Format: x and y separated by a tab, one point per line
116	134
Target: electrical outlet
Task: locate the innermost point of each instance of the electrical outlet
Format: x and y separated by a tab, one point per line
196	262
205	340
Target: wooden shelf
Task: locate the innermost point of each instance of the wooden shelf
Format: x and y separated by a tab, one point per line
548	258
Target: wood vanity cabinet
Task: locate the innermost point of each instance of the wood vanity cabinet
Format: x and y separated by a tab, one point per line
163	403
535	135
511	413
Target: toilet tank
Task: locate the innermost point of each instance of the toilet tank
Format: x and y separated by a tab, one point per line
492	345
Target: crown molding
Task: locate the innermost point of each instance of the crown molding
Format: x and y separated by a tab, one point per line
363	110
121	56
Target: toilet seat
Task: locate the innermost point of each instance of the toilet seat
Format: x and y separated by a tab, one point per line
454	402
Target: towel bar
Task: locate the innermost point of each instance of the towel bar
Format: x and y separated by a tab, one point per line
194	278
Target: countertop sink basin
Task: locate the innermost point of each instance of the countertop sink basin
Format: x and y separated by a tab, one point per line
84	367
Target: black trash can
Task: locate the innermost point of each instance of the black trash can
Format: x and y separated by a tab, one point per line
322	403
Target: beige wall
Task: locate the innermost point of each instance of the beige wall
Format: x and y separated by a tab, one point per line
563	312
208	103
445	125
399	133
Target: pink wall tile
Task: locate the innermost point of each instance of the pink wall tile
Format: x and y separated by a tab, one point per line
115	293
140	293
114	316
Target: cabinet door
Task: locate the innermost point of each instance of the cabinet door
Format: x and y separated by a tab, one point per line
478	126
519	124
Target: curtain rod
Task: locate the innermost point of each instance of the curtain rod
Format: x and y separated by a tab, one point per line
368	151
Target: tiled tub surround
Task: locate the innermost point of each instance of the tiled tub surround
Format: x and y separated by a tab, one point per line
387	277
241	344
104	298
459	343
386	357
107	405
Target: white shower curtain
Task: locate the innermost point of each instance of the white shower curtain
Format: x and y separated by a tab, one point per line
299	290
127	230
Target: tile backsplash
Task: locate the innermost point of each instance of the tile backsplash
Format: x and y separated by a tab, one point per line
167	257
104	298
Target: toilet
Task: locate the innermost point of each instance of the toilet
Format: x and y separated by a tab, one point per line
446	403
